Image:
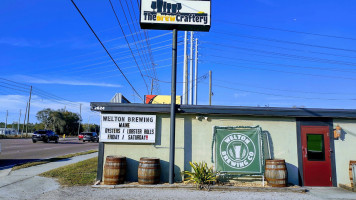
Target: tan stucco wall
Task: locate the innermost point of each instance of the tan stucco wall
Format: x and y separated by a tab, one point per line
345	149
194	139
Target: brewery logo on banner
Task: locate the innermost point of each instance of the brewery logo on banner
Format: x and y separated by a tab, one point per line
180	14
237	150
128	128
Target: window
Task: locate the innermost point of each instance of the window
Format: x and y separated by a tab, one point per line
315	147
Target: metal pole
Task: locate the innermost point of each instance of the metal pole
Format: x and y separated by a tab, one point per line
185	70
7	113
88	129
80	114
24	120
196	73
18	124
210	93
151	86
173	108
29	108
191	69
186	81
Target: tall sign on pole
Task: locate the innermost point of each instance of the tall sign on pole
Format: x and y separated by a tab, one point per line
186	15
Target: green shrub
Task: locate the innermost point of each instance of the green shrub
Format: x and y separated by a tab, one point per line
202	177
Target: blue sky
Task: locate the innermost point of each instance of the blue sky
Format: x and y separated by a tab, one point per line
261	53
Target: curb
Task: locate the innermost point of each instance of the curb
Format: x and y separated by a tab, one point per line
229	188
346	187
5	172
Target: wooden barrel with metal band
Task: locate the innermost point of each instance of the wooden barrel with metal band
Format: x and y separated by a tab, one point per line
149	171
276	173
114	170
352	162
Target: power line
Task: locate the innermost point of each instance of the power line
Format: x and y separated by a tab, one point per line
287	42
293	56
139	37
129	67
289	49
281	71
270	94
39	92
284	65
286	30
122	30
283	90
24	86
163	66
84	67
106	50
147	41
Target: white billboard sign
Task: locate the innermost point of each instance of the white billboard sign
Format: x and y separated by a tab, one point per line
127	128
189	15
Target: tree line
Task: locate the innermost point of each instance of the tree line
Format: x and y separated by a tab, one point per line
61	121
64	122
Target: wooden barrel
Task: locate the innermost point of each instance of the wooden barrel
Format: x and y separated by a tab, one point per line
149	171
114	170
276	173
352	162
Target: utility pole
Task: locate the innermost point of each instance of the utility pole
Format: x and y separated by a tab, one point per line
18	124
185	70
173	107
24	120
210	92
196	73
80	114
88	128
191	69
7	113
151	86
28	113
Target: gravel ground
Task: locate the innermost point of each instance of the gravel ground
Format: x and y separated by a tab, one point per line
88	192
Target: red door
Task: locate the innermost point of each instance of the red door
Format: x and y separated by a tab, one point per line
316	156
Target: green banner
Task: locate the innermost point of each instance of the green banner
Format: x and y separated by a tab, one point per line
238	149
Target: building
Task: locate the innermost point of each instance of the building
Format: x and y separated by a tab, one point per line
119	98
290	131
8	131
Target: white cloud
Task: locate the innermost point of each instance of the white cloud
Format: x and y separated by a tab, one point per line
241	94
62	81
20	42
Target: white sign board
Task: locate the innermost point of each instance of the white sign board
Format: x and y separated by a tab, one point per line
127	128
189	15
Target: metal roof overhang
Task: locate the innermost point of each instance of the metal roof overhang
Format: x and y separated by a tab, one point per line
224	110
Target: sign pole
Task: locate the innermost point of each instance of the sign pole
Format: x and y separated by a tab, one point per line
173	108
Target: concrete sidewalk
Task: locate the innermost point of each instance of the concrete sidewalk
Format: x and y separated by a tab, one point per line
26	184
9	177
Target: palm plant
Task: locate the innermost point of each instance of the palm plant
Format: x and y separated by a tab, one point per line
202	176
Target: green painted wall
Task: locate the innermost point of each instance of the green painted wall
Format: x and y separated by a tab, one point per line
345	149
282	132
194	139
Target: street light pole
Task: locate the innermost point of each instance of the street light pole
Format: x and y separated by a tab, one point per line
173	107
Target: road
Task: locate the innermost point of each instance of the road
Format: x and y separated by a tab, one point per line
15	151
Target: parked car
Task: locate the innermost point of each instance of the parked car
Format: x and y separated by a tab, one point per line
45	136
80	136
91	136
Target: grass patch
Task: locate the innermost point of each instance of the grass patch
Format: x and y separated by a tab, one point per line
77	174
31	164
